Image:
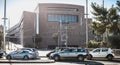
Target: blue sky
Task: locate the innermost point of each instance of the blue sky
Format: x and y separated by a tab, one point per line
16	7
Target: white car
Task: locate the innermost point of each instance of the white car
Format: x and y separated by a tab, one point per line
101	53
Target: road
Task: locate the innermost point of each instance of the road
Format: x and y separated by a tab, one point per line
71	62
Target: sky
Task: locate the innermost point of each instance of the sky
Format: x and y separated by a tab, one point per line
15	8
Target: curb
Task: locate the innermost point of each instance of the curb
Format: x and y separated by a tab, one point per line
27	61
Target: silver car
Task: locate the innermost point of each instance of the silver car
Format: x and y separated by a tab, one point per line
1	52
20	54
70	53
35	52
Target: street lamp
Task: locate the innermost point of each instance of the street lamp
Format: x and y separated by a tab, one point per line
4	39
86	23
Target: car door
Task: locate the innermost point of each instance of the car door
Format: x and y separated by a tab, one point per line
73	52
64	53
18	55
104	52
96	52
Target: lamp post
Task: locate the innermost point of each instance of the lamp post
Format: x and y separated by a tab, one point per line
87	23
4	32
59	33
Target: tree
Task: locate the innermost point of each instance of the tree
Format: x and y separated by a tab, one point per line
113	19
98	28
55	37
108	21
1	38
100	13
115	41
107	18
37	40
118	5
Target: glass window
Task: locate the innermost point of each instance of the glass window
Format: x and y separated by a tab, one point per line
63	9
66	50
97	50
81	50
62	17
104	50
74	50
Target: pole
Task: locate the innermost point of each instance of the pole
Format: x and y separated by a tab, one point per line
103	3
60	42
103	21
4	39
66	35
8	37
86	23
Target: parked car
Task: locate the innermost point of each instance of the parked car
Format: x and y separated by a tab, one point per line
58	49
20	54
77	53
1	52
35	51
101	53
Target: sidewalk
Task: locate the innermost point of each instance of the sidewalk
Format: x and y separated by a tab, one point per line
28	61
42	53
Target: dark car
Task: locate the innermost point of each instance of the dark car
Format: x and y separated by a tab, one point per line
1	52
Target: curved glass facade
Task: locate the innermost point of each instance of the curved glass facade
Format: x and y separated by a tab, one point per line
62	17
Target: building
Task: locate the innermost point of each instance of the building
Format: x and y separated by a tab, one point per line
65	20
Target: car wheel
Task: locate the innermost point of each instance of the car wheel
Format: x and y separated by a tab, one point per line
26	58
9	57
81	58
89	57
109	57
56	58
